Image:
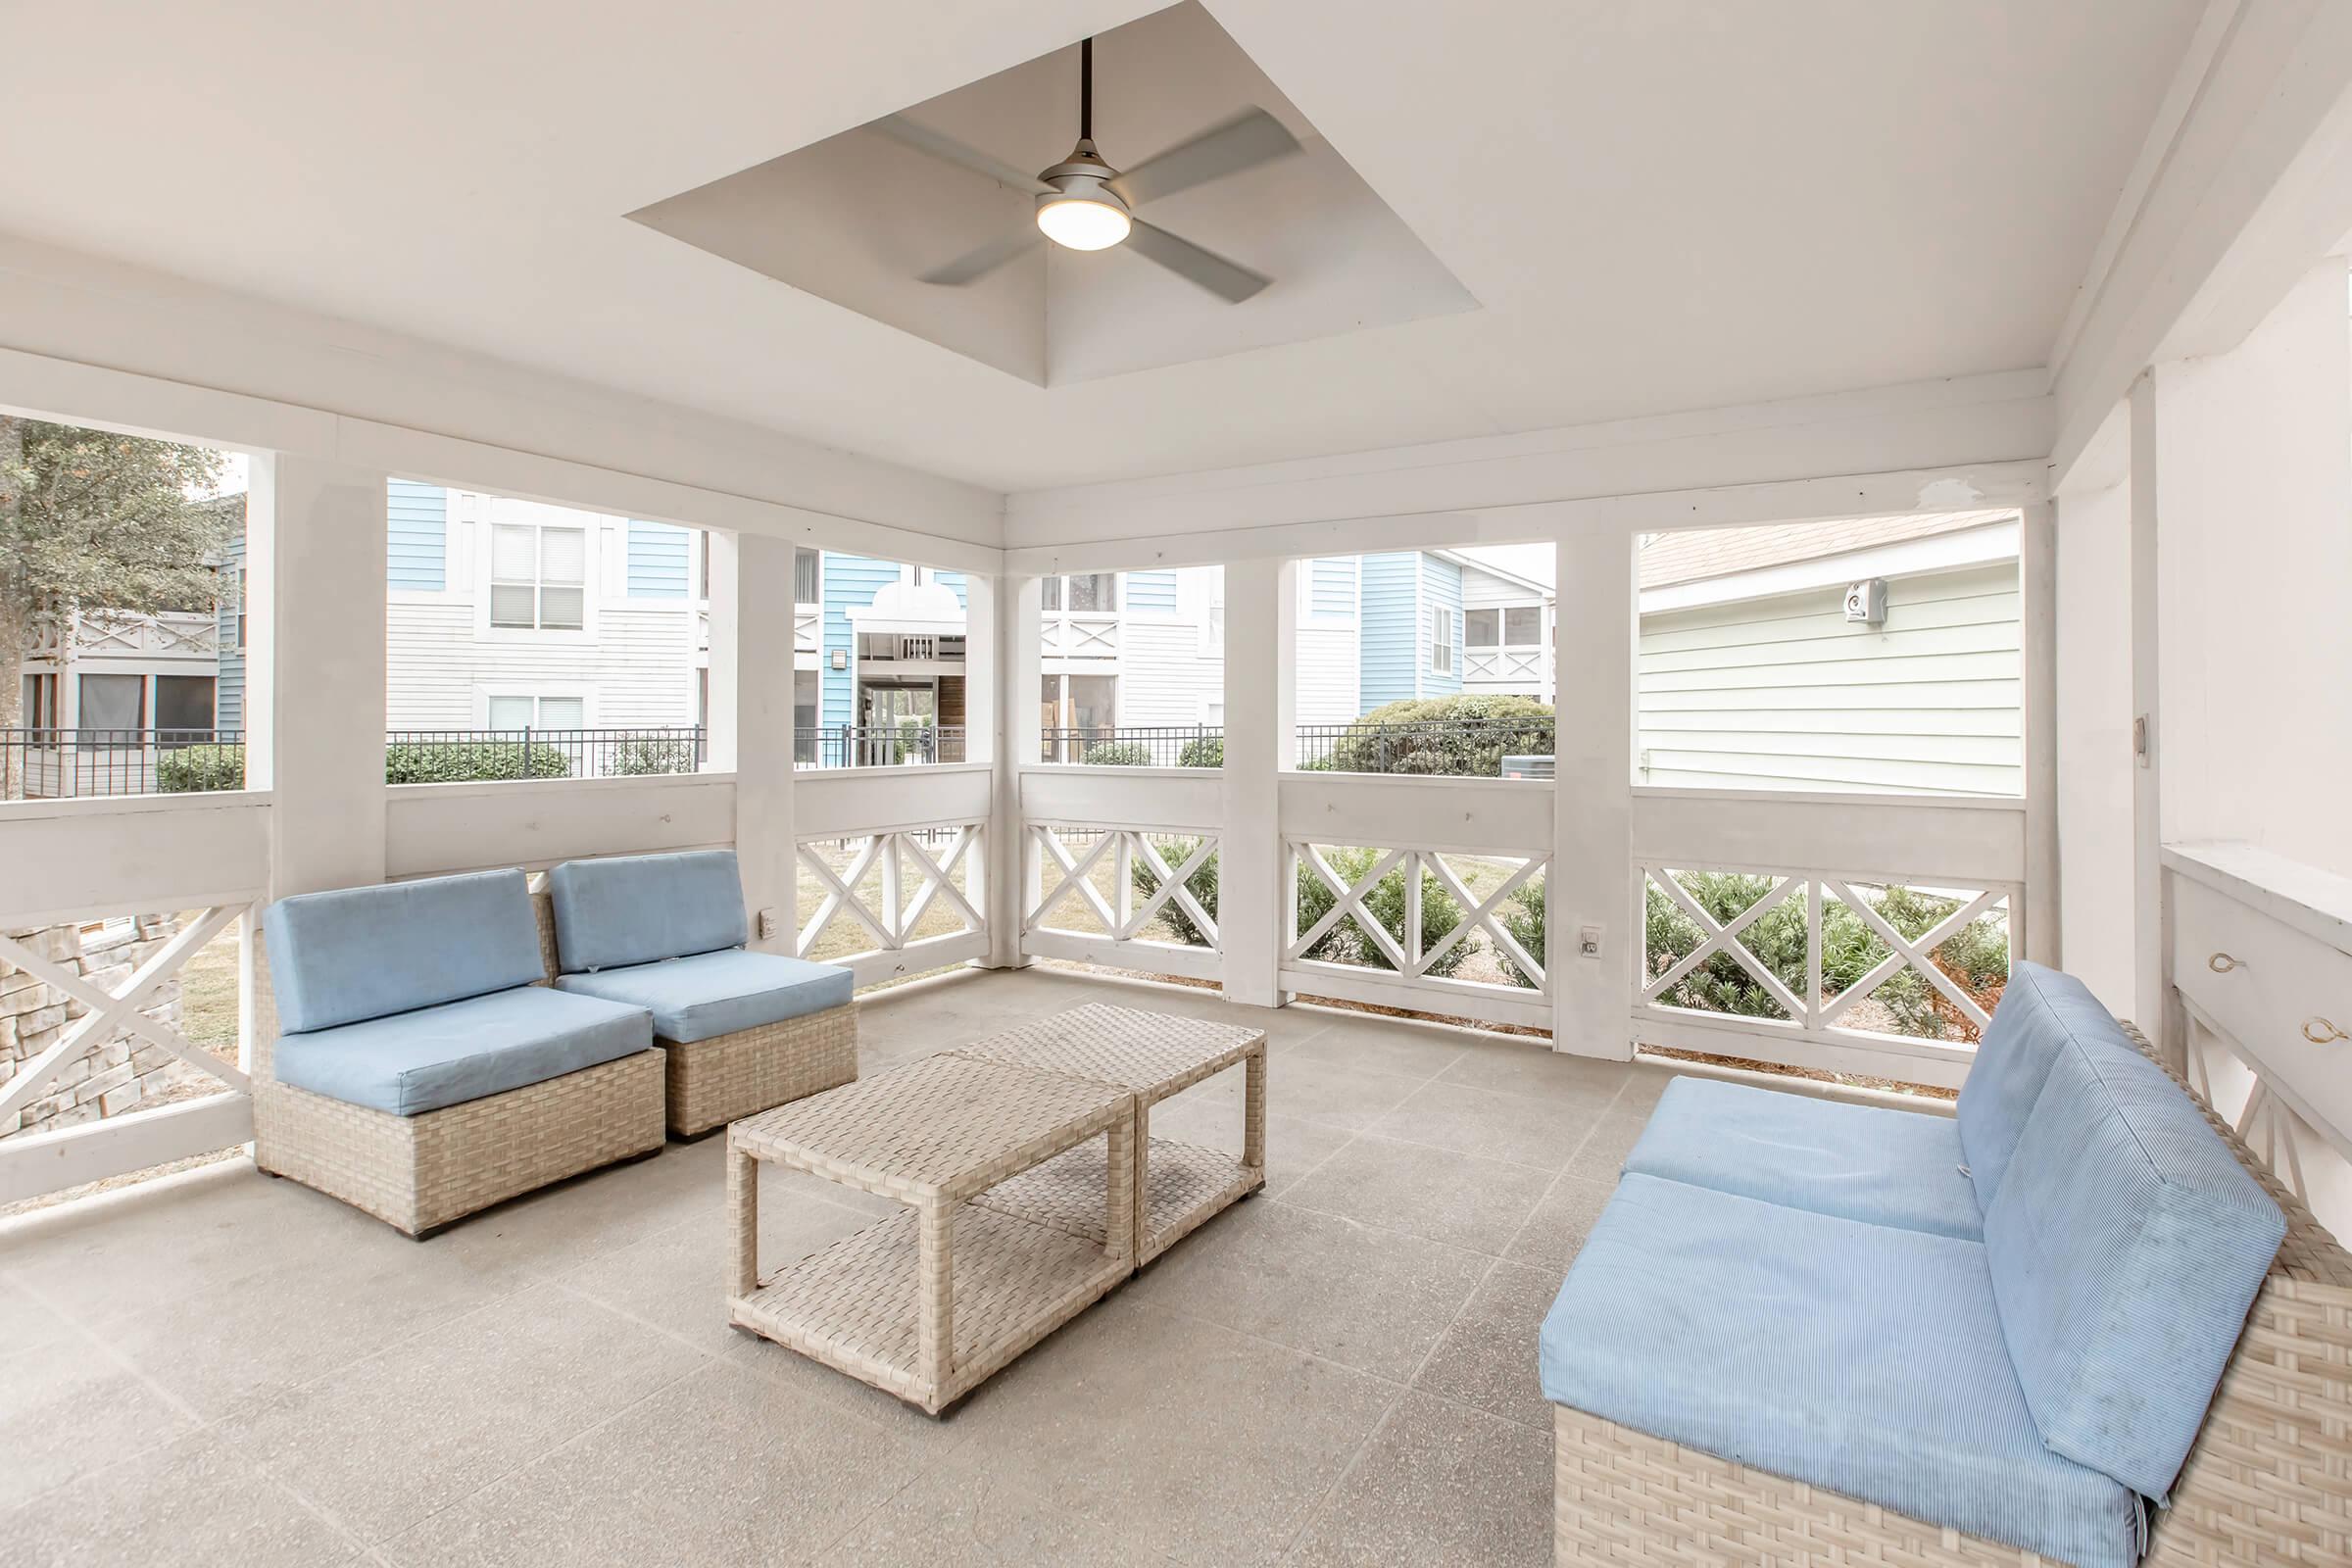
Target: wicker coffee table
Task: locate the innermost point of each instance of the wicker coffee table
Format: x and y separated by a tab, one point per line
929	1304
1152	1056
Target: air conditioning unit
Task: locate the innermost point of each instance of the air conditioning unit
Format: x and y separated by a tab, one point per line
1866	601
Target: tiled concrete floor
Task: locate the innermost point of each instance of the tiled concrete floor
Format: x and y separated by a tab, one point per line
235	1370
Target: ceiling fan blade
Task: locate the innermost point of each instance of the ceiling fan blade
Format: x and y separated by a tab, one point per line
977	263
1230	281
947	150
1250	138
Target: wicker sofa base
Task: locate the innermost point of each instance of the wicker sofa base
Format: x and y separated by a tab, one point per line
728	1077
418	1173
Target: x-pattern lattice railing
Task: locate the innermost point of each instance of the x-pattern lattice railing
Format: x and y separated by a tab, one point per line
113	1012
1410	955
1123	916
1813	1011
897	911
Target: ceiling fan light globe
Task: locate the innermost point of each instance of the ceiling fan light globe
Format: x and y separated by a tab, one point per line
1081	211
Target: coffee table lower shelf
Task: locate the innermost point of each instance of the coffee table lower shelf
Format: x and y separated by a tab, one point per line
1183	1185
853	1305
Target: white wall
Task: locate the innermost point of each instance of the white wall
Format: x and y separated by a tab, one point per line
2254	519
1786	693
2094	741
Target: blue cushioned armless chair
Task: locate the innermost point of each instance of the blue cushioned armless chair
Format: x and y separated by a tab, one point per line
411	1059
741	1031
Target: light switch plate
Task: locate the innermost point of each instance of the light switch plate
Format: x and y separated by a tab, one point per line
768	925
1587	941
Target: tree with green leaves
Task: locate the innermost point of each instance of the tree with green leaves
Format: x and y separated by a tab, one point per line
91	520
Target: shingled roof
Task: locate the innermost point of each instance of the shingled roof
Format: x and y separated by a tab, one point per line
1694	554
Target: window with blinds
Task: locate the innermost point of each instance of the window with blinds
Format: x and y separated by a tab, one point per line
538	577
807	578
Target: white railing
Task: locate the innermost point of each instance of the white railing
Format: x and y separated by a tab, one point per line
896	895
1126	896
1398	927
1515	666
36	1162
1799	971
1079	636
804	624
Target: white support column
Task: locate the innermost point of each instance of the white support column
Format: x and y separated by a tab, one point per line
750	722
315	673
1592	804
2151	991
1002	618
1261	646
2037	583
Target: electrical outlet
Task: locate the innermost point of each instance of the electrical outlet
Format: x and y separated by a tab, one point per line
768	925
1587	941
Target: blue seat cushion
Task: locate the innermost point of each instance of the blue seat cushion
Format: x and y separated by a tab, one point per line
2127	1244
1864	1359
2039	1011
412	1062
1866	1162
361	952
635	908
714	993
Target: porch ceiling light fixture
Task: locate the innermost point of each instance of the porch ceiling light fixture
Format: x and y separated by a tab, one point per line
1083	204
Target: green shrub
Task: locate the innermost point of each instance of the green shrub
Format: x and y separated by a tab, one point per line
1202	887
1207	750
1523	919
469	762
631	759
1463	735
1345	943
1117	753
196	769
1977	956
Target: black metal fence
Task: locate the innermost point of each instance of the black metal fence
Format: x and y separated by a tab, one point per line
1163	745
40	764
1466	748
465	756
877	745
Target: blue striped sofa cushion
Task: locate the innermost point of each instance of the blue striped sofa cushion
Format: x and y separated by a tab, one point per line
337	958
639	909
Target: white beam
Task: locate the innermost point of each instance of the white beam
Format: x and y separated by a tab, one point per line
751	720
1593	820
2149	990
1261	642
2037	584
314	669
1010	608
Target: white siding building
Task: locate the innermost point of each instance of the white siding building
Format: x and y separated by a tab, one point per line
1754	676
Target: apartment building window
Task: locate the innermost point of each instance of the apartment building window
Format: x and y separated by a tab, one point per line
808	577
1514	627
184	703
1091	592
113	702
521	711
1442	631
40	702
538	577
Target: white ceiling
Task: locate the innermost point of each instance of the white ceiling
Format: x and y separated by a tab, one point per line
857	219
1662	204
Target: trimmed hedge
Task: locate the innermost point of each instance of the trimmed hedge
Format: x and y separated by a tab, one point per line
196	769
1207	751
1459	736
1117	753
469	763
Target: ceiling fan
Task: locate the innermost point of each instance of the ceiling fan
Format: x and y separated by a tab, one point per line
1086	204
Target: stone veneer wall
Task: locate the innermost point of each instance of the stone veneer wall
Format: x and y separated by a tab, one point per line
117	1076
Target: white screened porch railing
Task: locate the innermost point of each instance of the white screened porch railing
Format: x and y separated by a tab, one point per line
892	868
1122	868
1863	934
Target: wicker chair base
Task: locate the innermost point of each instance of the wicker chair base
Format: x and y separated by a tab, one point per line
728	1077
2269	1481
418	1173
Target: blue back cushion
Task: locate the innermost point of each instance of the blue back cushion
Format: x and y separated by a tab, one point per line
362	952
2039	1011
639	909
2126	1245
